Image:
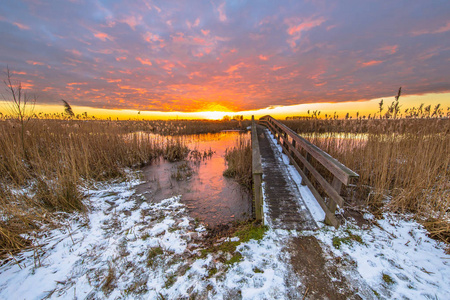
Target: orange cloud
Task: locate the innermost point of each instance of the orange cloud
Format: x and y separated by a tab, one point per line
234	68
121	58
27	85
113	80
144	61
103	36
77	83
262	57
371	63
34	63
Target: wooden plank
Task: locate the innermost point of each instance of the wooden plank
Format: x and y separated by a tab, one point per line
329	215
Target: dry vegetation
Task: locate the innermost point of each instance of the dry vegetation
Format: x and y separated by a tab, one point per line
404	164
239	162
42	171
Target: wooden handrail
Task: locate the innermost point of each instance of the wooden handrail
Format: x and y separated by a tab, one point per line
291	144
257	175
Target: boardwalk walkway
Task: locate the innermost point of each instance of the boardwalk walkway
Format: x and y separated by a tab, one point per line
287	209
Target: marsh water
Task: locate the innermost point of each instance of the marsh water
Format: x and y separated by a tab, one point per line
208	195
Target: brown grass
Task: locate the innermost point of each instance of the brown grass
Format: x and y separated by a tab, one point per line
239	162
404	164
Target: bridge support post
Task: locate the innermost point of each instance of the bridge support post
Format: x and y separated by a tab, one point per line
257	175
257	181
337	185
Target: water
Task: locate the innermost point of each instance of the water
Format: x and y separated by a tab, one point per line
209	196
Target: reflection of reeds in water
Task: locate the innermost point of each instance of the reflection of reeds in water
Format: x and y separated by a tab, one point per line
404	165
239	162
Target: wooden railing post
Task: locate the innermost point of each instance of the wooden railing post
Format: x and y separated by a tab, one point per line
257	175
305	169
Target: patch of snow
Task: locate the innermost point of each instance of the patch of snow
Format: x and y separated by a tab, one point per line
397	259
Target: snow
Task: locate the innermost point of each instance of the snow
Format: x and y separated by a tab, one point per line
114	240
401	249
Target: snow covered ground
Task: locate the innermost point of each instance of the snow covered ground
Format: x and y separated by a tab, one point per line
127	248
396	258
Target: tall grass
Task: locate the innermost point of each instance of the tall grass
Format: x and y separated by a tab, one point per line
404	165
239	162
59	157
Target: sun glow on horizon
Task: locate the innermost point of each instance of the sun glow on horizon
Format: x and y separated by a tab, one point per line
364	108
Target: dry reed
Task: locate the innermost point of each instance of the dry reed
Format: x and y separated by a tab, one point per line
239	162
404	164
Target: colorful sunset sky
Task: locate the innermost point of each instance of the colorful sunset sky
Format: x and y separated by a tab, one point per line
185	57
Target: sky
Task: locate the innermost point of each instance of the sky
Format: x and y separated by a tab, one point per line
186	57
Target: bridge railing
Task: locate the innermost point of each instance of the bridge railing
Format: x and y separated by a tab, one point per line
256	175
293	146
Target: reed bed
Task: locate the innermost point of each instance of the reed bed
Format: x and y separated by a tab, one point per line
239	162
43	170
404	164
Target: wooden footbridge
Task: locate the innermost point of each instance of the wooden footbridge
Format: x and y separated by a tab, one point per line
325	177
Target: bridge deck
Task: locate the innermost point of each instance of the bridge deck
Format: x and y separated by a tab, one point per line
287	209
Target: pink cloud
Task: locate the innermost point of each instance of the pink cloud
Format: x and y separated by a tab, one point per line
389	49
178	37
103	36
262	57
21	26
144	61
74	52
296	27
441	29
193	25
234	68
150	37
205	32
132	21
221	11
